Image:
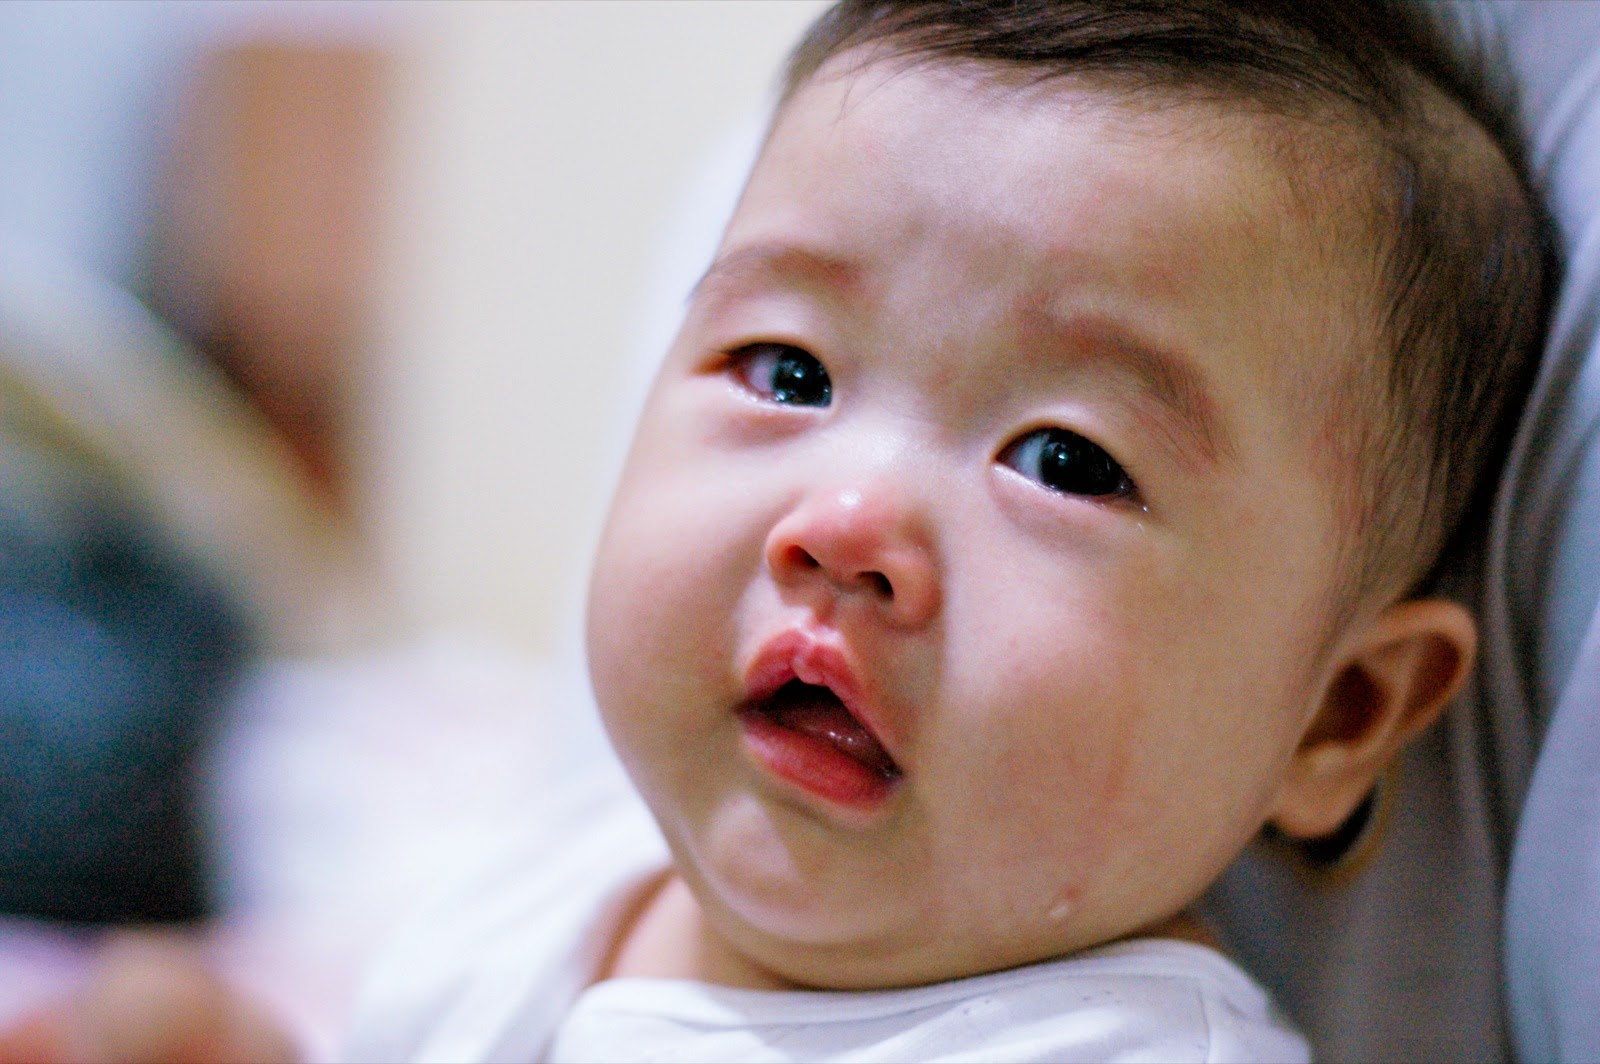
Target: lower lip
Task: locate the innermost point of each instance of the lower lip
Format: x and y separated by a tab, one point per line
814	766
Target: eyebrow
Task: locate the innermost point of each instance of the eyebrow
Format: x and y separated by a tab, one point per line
755	264
1171	380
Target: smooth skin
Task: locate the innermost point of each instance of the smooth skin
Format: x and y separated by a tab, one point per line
1096	692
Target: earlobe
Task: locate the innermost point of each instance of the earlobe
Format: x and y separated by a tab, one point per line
1387	684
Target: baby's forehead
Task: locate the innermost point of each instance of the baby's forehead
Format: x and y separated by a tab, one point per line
1311	180
1323	164
1307	181
1092	187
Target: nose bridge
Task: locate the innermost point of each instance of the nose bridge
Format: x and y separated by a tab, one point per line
863	530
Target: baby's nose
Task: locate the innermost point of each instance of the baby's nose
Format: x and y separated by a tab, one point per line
861	543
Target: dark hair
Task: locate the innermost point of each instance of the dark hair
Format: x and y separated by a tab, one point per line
1459	249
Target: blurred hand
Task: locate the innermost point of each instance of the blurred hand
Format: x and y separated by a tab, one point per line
151	998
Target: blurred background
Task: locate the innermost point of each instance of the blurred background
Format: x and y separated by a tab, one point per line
321	324
415	236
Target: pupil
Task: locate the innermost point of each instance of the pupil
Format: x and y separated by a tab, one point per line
799	378
1070	463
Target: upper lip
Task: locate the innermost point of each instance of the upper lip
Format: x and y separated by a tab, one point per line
814	658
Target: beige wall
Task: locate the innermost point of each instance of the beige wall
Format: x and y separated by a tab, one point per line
538	149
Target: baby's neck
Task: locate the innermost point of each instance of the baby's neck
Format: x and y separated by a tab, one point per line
667	937
1185	926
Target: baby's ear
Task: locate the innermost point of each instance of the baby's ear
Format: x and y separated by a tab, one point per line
1386	685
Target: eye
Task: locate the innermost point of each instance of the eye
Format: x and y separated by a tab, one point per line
784	374
1065	462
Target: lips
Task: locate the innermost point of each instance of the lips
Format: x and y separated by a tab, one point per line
804	723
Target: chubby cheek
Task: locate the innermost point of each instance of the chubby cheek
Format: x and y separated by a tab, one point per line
1080	778
1213	700
661	603
1039	740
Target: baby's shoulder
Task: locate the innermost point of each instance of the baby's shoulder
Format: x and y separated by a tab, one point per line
485	971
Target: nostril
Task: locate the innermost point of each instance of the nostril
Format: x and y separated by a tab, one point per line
800	558
796	559
862	551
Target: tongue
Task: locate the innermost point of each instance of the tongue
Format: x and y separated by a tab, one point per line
817	712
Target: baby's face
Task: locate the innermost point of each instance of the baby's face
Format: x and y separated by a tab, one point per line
959	606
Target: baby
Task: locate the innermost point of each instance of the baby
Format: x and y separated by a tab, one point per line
1032	508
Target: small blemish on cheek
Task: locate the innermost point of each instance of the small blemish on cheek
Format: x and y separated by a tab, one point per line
1065	904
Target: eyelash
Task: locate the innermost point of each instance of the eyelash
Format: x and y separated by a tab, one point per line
1066	463
1059	460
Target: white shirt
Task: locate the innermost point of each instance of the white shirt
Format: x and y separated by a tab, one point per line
506	974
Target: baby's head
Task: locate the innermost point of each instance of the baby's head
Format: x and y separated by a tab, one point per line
1032	505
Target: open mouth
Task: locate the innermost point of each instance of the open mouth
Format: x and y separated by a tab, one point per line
806	735
817	712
